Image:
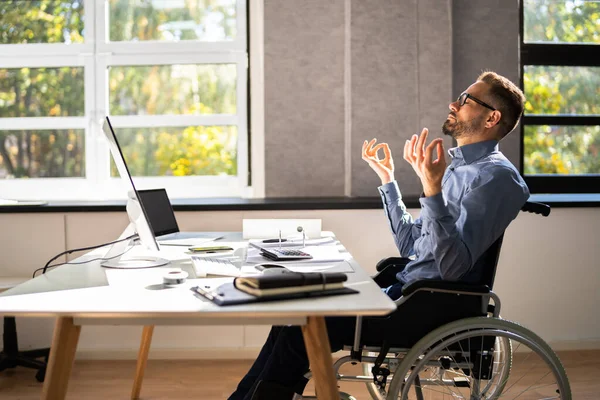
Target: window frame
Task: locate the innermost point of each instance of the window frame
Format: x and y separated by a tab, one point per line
563	55
96	55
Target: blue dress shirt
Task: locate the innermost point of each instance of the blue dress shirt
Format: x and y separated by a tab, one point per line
482	192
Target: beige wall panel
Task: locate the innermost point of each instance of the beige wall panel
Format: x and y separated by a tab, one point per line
89	229
28	241
203	221
548	274
304	98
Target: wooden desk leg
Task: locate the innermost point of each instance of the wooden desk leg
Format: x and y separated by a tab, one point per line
319	356
60	362
141	361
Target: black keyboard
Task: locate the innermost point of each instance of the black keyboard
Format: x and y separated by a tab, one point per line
284	254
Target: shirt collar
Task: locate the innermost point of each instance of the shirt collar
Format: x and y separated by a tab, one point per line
474	151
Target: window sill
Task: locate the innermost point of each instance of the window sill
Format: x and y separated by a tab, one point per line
272	204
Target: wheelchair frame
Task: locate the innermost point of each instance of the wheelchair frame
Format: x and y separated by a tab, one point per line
406	368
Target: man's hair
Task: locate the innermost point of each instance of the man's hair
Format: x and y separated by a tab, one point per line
507	98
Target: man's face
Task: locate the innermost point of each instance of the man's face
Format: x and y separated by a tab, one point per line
468	119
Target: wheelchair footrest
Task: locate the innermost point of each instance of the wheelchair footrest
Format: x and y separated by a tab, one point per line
461	382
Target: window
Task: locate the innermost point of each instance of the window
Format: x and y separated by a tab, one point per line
560	69
171	74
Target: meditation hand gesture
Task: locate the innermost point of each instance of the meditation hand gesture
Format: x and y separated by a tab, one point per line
430	171
384	168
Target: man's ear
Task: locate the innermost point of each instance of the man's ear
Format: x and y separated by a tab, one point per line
493	119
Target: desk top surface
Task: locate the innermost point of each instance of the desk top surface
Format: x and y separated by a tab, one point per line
83	291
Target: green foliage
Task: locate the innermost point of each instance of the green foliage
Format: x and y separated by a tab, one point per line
562	90
173	89
146	90
41	21
561	21
196	150
172	20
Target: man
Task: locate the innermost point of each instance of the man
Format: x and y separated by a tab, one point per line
465	208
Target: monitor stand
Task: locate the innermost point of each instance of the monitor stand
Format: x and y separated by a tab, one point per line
118	250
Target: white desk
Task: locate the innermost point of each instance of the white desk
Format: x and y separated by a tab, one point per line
78	295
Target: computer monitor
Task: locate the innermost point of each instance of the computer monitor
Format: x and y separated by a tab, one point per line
138	219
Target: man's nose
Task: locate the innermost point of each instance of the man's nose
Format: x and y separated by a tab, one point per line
453	106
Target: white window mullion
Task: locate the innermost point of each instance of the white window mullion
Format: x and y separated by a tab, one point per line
156	58
42	123
242	125
23	51
102	161
240	37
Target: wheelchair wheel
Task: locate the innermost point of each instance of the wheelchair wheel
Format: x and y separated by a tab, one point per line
500	371
457	360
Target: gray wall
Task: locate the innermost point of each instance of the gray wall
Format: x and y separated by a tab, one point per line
338	72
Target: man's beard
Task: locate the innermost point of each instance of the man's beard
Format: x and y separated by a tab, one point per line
460	129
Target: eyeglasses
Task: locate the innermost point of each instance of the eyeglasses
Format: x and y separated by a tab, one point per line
462	99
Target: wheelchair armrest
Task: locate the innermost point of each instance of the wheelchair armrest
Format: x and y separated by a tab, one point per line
390	261
436	284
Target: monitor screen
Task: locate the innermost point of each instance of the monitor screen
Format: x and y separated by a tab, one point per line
160	213
142	223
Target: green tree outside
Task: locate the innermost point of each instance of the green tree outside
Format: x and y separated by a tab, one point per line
562	90
147	90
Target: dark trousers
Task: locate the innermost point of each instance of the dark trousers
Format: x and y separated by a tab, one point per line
283	359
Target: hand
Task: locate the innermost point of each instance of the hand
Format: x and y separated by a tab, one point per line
384	168
420	158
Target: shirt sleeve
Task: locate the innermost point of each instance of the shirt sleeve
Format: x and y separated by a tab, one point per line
404	229
485	211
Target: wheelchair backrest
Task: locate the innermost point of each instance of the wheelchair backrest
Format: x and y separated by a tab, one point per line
488	262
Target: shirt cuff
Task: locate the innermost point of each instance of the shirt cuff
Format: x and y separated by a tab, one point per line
390	192
433	206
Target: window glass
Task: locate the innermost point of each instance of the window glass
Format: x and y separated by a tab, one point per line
42	153
41	21
562	150
560	21
41	92
562	90
173	89
183	151
172	20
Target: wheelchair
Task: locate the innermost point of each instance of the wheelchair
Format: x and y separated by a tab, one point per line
457	347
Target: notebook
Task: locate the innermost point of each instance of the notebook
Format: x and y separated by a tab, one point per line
227	294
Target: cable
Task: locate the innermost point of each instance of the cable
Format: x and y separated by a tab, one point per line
82	262
82	249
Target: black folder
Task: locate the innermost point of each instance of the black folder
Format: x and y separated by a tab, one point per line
227	294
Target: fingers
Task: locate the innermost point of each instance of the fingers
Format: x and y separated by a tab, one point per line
409	149
366	149
370	147
387	152
429	151
420	147
440	153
